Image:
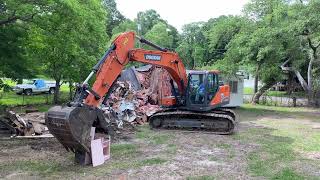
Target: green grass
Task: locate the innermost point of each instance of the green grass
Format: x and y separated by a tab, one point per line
304	137
42	168
283	136
156	138
287	174
251	112
39	107
275	155
124	150
152	161
13	99
172	149
123	157
284	94
249	91
223	146
213	158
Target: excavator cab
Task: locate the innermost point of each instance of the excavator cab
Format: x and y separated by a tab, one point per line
202	90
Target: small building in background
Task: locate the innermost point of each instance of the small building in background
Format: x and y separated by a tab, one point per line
236	90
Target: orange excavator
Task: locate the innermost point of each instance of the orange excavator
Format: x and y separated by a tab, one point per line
196	102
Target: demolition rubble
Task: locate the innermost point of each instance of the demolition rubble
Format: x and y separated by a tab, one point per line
133	99
135	96
23	125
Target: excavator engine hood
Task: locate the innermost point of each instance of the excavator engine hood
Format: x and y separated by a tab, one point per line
71	126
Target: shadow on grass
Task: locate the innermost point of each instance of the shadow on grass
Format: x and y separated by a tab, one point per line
275	156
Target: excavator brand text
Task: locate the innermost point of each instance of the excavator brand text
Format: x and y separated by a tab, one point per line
152	57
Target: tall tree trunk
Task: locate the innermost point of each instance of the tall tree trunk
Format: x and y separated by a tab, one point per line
70	90
313	56
261	91
256	82
290	83
256	79
317	98
302	81
56	92
193	63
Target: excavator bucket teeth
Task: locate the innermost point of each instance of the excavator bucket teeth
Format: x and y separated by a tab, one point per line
71	126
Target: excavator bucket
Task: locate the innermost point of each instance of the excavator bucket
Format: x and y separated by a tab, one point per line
71	126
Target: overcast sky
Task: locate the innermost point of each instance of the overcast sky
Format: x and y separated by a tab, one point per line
180	12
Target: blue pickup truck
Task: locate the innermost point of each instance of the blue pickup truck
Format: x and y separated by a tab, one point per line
37	86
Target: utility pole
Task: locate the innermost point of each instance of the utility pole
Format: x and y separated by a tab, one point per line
139	30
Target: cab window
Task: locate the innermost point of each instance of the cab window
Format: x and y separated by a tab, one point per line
197	88
212	86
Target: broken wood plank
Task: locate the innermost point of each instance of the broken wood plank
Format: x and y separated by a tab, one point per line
35	137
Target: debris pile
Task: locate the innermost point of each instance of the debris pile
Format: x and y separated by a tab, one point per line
136	95
29	124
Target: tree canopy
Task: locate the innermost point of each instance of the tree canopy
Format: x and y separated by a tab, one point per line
63	39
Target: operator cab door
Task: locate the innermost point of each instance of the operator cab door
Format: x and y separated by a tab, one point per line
202	88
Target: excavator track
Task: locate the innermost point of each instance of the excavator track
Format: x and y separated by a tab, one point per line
218	121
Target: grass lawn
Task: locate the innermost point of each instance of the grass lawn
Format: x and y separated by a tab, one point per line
271	143
286	137
249	91
13	99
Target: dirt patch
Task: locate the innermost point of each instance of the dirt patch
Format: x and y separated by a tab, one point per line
313	155
29	149
196	154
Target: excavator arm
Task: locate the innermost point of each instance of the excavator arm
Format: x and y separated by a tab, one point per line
121	53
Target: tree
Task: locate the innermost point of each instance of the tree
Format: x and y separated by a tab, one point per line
175	35
13	63
304	24
222	32
114	17
12	11
15	17
159	35
260	45
146	20
149	18
126	25
192	45
69	40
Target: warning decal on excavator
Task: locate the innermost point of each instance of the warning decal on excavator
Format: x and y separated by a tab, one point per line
152	57
125	41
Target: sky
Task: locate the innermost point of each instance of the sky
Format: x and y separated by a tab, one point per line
180	12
